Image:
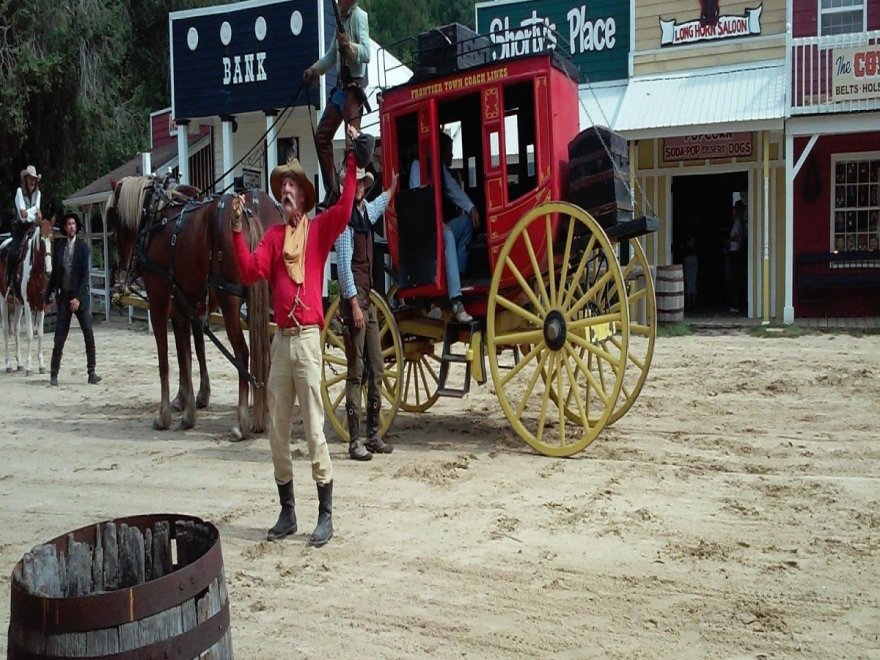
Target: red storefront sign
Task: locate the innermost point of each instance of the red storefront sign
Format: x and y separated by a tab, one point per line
707	146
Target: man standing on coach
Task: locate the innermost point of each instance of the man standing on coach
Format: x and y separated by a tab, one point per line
350	51
292	256
70	283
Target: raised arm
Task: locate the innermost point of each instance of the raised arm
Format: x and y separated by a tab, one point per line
377	207
332	221
256	265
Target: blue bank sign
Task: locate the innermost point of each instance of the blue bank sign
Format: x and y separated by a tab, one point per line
244	57
595	34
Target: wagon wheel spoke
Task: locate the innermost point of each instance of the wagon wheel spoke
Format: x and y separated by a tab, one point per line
422	382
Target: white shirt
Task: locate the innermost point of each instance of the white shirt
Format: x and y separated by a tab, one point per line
21	205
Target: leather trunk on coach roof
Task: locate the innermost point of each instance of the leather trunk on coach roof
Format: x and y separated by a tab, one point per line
450	48
598	173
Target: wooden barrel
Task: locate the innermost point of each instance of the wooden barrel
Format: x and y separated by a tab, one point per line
143	587
669	288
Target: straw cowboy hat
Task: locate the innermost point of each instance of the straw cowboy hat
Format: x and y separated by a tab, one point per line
295	170
30	170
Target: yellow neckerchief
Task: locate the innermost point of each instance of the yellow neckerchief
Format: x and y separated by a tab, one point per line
294	249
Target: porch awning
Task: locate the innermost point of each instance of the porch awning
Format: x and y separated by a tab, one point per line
742	98
600	103
162	158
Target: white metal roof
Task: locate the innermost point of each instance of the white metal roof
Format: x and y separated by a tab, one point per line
600	103
745	97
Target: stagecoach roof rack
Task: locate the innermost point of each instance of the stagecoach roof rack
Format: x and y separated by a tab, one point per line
449	49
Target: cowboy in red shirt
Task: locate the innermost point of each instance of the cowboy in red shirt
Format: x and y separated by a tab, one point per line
292	256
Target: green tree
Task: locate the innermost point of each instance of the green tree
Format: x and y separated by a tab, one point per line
78	79
396	24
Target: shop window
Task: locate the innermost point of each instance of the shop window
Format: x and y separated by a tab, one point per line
856	204
841	16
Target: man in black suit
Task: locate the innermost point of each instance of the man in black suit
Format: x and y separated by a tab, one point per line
70	284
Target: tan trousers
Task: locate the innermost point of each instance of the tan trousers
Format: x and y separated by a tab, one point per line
296	374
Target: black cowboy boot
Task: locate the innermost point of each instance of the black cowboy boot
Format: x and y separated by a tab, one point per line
286	524
94	378
375	444
356	449
54	367
324	529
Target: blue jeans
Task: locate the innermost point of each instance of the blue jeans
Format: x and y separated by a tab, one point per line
457	233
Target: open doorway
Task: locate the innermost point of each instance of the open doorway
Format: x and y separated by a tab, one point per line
709	242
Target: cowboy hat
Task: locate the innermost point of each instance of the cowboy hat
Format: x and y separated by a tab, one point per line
363	174
294	170
30	170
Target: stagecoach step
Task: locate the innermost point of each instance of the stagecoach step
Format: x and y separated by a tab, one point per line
458	333
623	231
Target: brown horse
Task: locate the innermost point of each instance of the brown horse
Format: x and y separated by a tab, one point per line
183	250
25	290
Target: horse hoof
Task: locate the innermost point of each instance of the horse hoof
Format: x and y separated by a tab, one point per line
20	368
27	373
201	403
176	404
42	370
237	435
184	424
9	370
160	425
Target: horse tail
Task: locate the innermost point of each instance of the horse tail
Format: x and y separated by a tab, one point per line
258	335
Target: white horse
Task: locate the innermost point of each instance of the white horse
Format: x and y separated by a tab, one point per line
27	293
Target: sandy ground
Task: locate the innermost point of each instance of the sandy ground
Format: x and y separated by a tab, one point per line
733	512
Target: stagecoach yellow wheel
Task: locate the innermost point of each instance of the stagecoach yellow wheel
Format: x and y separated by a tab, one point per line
642	327
421	375
554	321
642	331
335	369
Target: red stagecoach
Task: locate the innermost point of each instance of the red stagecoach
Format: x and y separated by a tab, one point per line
556	279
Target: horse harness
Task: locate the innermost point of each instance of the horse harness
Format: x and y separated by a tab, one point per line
153	220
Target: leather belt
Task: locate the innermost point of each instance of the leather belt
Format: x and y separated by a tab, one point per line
293	331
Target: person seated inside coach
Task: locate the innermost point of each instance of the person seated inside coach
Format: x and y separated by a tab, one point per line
460	220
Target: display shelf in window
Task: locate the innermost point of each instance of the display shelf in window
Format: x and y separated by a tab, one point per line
855	204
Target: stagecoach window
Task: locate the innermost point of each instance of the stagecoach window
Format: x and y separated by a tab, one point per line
494	149
842	17
472	172
855	204
519	139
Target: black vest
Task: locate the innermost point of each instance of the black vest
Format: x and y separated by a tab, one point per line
362	252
